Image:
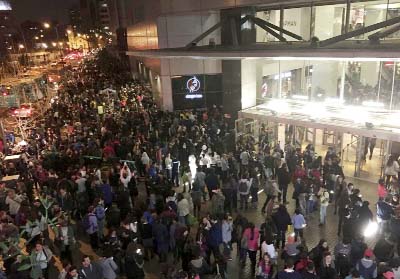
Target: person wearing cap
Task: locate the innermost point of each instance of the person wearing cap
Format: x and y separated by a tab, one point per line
367	266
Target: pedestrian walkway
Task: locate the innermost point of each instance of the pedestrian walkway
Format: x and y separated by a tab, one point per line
313	233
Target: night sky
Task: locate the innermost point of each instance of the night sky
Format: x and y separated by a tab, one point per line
43	9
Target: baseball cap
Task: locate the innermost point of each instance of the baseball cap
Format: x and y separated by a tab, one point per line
368	253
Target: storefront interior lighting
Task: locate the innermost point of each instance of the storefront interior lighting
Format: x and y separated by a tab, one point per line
340	59
373	104
334	101
300	97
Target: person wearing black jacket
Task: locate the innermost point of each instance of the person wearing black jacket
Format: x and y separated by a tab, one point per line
309	272
282	221
327	268
134	262
283	182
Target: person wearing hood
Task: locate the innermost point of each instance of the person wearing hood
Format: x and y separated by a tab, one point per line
108	265
367	266
134	262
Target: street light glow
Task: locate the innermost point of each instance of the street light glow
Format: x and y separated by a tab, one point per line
46	25
45	45
53	44
21	46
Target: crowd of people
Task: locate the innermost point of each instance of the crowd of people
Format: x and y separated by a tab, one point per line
107	167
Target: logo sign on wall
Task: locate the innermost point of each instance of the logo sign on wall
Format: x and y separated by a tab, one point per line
193	85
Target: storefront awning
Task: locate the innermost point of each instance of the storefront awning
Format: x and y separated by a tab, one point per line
357	120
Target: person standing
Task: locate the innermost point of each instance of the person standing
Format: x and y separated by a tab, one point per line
65	240
40	258
175	172
283	182
282	221
288	272
299	224
183	209
324	202
90	270
211	182
168	166
108	265
244	190
391	169
92	227
252	235
244	159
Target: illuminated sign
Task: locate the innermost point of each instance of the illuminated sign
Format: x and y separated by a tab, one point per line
193	85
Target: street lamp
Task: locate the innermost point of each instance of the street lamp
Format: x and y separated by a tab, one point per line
46	25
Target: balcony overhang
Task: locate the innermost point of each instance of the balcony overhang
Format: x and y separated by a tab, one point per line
346	50
368	122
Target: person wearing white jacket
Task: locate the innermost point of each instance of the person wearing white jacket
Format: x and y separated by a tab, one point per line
125	175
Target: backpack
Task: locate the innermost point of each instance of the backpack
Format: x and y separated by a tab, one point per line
243	187
100	213
86	222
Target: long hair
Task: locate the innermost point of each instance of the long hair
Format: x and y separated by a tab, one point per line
251	226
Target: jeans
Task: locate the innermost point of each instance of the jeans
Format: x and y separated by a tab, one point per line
297	233
182	219
310	206
322	214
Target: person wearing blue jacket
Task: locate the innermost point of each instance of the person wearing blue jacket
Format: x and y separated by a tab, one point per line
214	239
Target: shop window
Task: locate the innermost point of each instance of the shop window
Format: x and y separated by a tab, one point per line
269	16
328	21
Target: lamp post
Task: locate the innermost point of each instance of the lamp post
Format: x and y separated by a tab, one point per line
47	26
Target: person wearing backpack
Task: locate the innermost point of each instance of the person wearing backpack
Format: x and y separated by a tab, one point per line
342	257
244	190
91	227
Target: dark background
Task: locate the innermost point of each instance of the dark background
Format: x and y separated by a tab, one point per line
210	88
42	10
